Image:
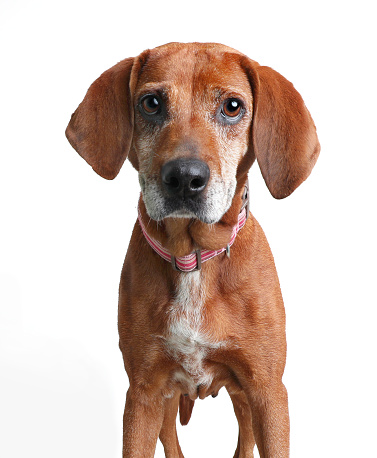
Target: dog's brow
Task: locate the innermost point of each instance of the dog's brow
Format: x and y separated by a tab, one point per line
221	92
153	86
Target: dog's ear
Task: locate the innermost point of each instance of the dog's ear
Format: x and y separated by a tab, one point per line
283	137
101	128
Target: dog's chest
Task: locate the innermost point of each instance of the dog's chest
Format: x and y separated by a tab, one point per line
187	341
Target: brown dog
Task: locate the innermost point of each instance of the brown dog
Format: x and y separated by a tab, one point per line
192	118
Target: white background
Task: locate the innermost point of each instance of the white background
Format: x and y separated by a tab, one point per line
65	231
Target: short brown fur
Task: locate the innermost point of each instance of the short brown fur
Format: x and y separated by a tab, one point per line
243	306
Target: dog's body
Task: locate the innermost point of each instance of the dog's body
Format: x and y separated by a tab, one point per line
192	118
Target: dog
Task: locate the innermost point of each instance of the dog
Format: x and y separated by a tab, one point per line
200	306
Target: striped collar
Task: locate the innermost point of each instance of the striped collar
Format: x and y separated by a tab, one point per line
194	260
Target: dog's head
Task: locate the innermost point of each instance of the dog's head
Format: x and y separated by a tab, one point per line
192	118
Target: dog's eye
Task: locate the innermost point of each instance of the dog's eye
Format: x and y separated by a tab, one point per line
232	108
151	105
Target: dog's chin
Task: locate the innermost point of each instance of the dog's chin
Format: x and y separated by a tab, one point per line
190	215
182	213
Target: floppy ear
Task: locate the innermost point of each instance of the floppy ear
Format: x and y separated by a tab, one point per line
101	128
283	137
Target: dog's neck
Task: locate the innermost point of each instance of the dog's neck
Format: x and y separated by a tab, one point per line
182	236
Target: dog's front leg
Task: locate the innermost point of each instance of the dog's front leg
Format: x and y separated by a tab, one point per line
168	434
142	421
269	406
246	441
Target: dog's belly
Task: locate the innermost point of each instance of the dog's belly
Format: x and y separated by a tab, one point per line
188	344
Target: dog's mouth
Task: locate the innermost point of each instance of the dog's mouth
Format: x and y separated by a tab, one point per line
160	207
185	207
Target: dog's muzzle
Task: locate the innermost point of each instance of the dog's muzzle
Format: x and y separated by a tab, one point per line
186	188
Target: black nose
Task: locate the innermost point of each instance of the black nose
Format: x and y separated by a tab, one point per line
185	177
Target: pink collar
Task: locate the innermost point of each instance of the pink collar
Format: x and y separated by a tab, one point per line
193	261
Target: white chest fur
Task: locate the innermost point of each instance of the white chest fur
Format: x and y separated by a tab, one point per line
187	341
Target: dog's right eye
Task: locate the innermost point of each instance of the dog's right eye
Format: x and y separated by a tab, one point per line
151	105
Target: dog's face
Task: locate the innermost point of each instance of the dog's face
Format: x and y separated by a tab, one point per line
192	118
192	126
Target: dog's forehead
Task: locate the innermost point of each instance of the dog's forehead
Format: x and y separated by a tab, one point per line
195	66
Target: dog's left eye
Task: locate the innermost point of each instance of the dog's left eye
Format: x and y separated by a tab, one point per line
231	108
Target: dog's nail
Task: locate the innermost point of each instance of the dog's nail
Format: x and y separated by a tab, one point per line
214	395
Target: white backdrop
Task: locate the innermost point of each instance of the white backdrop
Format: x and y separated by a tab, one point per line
65	231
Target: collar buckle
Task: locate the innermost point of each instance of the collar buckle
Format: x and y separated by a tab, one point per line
198	254
245	199
227	250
